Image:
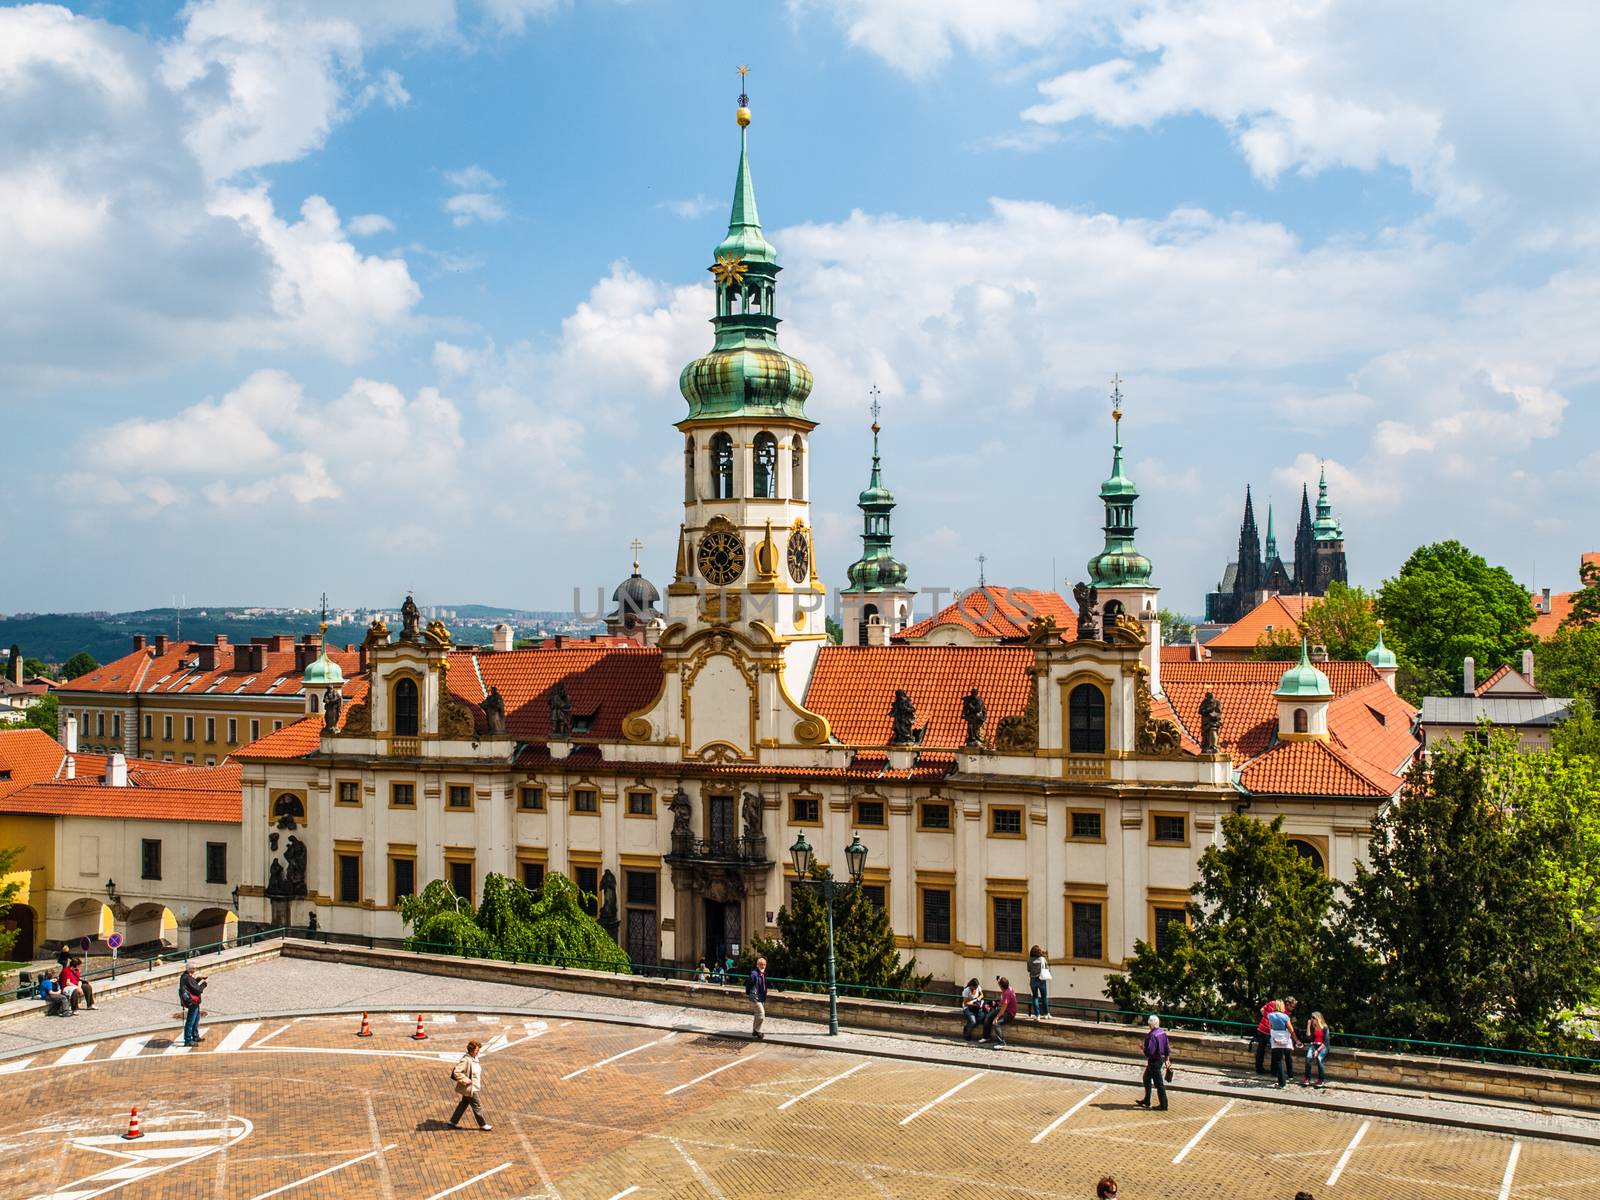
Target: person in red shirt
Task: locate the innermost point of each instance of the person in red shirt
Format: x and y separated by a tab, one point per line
1001	1015
1263	1037
74	986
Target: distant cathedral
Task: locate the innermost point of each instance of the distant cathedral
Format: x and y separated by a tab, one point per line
1259	572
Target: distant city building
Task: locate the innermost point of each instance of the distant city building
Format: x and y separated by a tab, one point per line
1260	571
1507	699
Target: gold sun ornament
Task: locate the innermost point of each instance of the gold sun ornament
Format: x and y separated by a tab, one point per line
729	270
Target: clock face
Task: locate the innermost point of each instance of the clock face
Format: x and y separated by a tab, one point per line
799	556
721	557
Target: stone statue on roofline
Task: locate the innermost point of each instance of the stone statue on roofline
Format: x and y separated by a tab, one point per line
332	706
680	821
752	816
903	714
560	713
494	713
974	712
1210	724
410	621
1087	597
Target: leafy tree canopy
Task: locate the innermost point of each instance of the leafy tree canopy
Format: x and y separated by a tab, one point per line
8	895
42	713
1445	604
1585	610
80	663
863	942
1257	929
32	666
1175	627
834	630
1567	663
1343	621
548	927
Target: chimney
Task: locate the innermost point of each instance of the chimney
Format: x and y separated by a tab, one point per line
161	643
221	641
72	767
502	638
1544	600
117	769
206	656
877	631
280	642
1527	666
241	659
138	641
1319	654
16	667
558	641
361	659
72	735
1469	677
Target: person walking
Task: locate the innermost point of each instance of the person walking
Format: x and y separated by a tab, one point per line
1038	983
1280	1032
971	1007
1001	1015
1106	1189
755	991
1316	1049
190	986
1157	1063
468	1079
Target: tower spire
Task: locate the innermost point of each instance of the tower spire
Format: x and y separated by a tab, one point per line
1272	538
1325	528
1120	564
877	570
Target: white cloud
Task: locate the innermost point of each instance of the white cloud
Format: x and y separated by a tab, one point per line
369	225
691	209
474	199
512	15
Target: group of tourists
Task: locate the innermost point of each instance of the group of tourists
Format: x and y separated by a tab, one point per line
993	1014
1276	1033
63	989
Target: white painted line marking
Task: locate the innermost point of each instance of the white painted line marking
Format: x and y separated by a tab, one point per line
1204	1129
1511	1170
700	1173
176	1048
237	1036
349	1162
142	1161
820	1086
973	1078
16	1064
607	1061
709	1074
1056	1124
1344	1159
468	1182
131	1047
628	1191
270	1036
76	1055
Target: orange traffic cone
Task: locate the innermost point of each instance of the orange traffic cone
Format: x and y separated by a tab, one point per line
133	1126
419	1035
366	1027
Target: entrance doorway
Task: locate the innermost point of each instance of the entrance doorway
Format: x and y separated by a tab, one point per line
723	929
722	832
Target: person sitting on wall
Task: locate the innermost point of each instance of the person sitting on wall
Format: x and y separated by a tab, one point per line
55	1001
74	986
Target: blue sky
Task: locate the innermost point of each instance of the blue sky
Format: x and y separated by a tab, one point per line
310	300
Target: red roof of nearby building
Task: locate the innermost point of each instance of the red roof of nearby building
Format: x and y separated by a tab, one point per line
195	794
1184	652
854	686
1315	768
1273	613
27	756
999	613
1545	624
180	671
605	681
1245	688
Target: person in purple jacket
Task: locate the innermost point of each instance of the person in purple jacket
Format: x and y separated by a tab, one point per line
1157	1063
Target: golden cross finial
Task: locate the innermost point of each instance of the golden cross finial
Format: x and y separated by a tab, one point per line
1116	397
876	408
636	545
743	71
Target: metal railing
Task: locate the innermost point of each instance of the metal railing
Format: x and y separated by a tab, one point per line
737	849
118	966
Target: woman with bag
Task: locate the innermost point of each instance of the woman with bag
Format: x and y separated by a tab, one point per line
468	1079
1038	983
1316	1048
1280	1036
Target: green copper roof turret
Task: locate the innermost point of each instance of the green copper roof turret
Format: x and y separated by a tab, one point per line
745	371
1325	528
1120	564
877	570
1304	680
1380	656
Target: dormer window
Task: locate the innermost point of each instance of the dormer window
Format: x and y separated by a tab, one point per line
1086	720
404	723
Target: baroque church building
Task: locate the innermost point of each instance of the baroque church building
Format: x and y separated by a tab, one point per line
1259	571
1020	771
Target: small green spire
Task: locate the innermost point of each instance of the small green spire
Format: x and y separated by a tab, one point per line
1119	564
1303	680
1325	528
744	238
1272	540
1380	656
877	570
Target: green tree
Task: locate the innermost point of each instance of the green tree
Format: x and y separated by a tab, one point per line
549	927
1175	627
1585	610
42	713
80	663
834	630
1476	921
32	666
1445	604
1567	663
1342	620
1258	927
863	942
8	896
1579	734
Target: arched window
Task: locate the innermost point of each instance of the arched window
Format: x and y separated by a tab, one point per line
313	699
868	611
1112	611
766	467
1308	852
688	469
1086	720
1302	721
797	469
405	708
722	467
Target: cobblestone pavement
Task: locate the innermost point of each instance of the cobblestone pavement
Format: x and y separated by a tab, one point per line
592	1110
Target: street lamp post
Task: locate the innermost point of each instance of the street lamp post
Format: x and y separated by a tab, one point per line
855	857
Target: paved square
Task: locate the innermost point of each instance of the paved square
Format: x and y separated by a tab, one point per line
586	1110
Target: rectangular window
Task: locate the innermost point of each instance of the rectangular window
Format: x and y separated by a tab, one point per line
402	795
116	725
211	760
1005	822
277	725
585	800
641	804
188	729
588	881
869	813
149	859
348	868
643	887
876	893
166	728
461	877
936	916
531	799
147	724
1170	828
349	792
1087	827
459	796
402	879
211	729
805	810
233	730
532	876
188	758
933	814
1007	924
99	724
255	730
216	862
1166	919
1088	930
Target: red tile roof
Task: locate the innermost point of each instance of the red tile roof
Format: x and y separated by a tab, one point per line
196	794
1279	612
177	672
1545	624
853	686
295	740
28	756
605	682
1315	768
999	613
1184	652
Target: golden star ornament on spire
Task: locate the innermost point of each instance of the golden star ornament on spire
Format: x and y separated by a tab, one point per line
729	270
